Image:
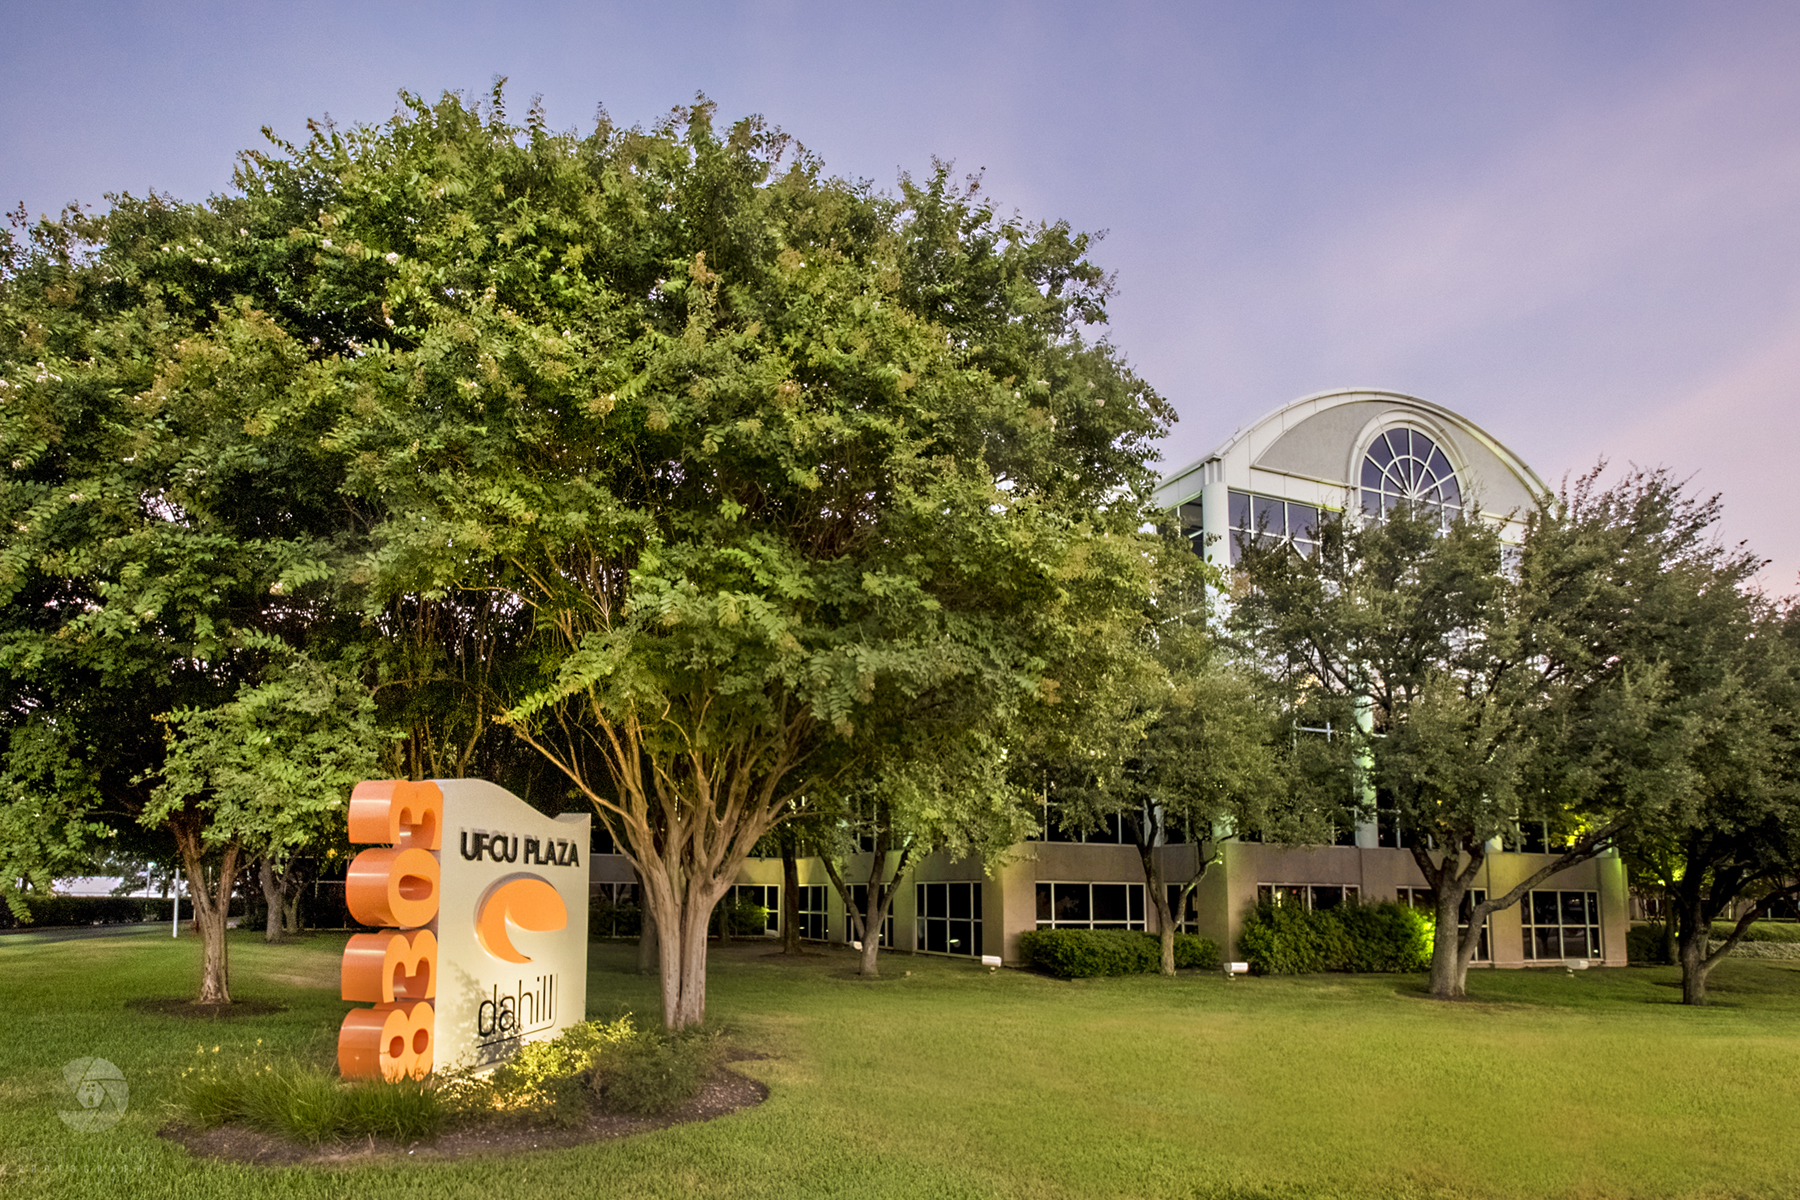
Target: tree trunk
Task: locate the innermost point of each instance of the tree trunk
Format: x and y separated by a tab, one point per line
1449	970
789	917
275	898
683	961
1694	967
212	904
290	907
648	954
1159	894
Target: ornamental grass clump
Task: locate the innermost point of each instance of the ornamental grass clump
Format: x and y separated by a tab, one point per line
305	1101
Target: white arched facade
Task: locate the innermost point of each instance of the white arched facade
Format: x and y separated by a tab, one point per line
1315	456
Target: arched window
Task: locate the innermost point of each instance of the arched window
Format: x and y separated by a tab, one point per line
1406	466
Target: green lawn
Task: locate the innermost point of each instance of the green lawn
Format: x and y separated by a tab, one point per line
958	1082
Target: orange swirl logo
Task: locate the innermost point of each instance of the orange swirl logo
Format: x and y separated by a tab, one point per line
524	901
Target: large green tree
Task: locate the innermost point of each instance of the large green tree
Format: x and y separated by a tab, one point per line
1728	844
1175	738
783	473
1477	694
169	528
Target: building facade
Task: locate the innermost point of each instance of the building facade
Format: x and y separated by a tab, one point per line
1334	452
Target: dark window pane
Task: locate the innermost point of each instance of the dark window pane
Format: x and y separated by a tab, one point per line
1593	909
1137	902
1045	910
1327	897
1238	508
1110	903
1543	908
1452	493
937	936
1574	908
1575	942
1546	943
1270	516
959	900
975	900
1371	502
1371	473
1440	466
936	904
1072	902
1381	452
1303	520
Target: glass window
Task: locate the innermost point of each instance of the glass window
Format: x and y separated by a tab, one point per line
949	918
1314	896
859	896
812	914
766	897
1185	910
1090	906
1404	466
1425	900
1561	925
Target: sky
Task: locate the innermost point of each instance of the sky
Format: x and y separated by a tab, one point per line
1576	223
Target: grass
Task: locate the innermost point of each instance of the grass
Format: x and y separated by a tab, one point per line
954	1082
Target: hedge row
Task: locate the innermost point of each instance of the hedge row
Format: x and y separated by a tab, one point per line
1289	940
91	910
1085	953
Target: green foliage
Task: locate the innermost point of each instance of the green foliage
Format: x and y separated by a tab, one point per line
544	1081
47	911
1195	953
609	920
303	1101
272	767
1088	953
745	919
655	1070
1787	932
1289	940
1647	944
1385	937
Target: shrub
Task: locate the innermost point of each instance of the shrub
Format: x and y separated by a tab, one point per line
1760	931
49	911
1644	944
609	920
746	919
1289	940
543	1080
654	1071
1385	937
1086	953
1195	953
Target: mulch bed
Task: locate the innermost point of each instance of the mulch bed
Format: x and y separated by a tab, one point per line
206	1012
726	1092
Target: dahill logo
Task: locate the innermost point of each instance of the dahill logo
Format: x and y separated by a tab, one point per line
522	900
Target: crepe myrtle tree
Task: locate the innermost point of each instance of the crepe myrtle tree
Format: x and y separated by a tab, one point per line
762	454
927	793
1477	696
1728	845
1173	737
170	527
263	776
